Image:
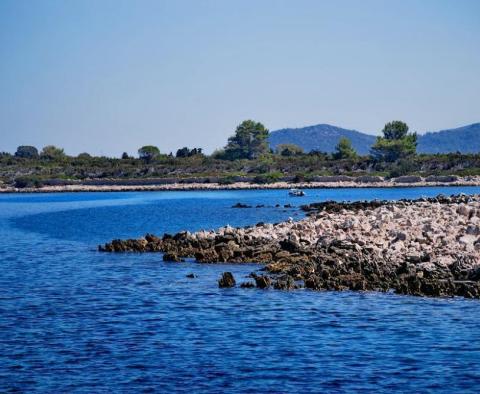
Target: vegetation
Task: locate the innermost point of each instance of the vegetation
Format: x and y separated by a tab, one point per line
51	152
394	156
344	150
148	153
27	152
288	150
185	152
248	142
395	144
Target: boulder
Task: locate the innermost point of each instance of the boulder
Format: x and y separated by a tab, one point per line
262	282
227	280
171	257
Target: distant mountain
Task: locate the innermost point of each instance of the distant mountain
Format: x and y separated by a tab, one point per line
464	139
324	137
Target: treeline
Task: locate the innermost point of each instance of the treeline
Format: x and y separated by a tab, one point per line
250	142
246	155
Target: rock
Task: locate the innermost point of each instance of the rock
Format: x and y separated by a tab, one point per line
171	257
428	246
262	282
462	210
400	236
240	205
191	276
227	280
247	285
286	283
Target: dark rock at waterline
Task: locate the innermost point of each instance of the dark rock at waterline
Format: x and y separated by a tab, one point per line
240	205
227	280
285	283
191	276
172	257
247	285
262	282
330	263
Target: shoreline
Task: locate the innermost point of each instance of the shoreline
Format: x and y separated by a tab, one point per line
197	186
422	247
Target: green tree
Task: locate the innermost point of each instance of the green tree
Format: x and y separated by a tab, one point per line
249	141
183	152
395	144
84	156
395	130
288	150
148	153
27	152
344	150
51	152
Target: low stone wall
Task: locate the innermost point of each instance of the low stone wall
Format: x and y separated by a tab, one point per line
158	184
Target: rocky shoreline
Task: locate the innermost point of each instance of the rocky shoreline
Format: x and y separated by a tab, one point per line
424	247
340	181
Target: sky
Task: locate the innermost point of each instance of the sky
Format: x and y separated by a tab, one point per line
111	76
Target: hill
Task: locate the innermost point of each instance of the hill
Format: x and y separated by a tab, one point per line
464	139
321	137
324	137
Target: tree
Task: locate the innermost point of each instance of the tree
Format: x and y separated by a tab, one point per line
395	144
289	150
125	156
249	141
344	150
51	152
185	152
27	152
148	153
395	130
84	156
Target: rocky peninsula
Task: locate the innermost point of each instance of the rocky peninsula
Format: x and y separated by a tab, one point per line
424	247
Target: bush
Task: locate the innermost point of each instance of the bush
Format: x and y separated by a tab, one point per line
271	177
28	181
27	152
227	180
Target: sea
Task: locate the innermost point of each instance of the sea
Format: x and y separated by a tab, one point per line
75	320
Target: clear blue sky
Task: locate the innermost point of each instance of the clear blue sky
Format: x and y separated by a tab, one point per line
107	76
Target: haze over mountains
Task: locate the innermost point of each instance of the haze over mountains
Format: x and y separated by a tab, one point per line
324	137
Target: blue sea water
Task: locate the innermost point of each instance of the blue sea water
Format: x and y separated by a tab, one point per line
76	320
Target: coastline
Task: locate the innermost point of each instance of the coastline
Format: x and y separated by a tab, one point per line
423	247
111	186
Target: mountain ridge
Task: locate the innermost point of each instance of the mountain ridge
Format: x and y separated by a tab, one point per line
324	137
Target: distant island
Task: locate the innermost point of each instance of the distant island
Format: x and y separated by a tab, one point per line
315	156
324	137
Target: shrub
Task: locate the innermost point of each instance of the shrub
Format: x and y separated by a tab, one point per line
227	180
28	181
271	177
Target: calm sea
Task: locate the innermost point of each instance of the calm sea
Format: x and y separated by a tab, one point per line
76	320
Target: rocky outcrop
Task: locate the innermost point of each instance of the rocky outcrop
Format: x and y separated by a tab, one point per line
227	280
429	246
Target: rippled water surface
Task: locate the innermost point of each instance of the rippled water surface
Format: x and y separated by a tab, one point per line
75	320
